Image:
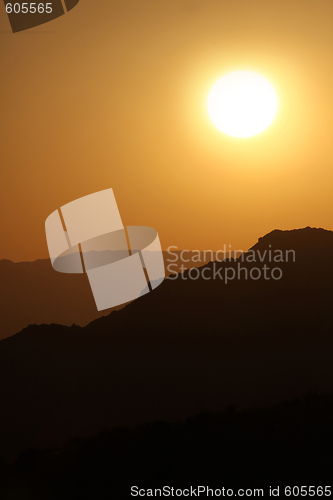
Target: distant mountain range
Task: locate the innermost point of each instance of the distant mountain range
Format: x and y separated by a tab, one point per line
33	293
191	345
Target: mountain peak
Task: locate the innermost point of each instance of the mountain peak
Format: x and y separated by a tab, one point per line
297	239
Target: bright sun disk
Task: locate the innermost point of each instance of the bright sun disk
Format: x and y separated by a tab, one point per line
242	104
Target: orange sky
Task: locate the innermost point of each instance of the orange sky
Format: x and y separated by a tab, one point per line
114	95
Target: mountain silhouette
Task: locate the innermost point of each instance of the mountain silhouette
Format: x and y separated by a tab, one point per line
190	346
284	445
33	293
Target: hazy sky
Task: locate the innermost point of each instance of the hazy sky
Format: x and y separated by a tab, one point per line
113	94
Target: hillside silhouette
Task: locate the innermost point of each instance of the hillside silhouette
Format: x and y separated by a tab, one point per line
33	293
190	346
285	445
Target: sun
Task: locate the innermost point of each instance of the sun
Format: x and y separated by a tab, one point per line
242	104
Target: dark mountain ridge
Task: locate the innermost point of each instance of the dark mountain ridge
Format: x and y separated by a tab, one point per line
190	346
33	293
284	445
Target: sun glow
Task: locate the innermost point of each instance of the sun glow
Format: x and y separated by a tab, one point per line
242	104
